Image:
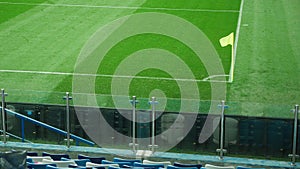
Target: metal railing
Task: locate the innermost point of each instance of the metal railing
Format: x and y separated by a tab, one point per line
24	118
135	143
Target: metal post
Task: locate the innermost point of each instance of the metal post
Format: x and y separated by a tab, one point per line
153	146
294	155
133	102
68	98
3	115
221	150
23	129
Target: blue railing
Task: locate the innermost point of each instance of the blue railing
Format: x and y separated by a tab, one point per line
24	118
17	137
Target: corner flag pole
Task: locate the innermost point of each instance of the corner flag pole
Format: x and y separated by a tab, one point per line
232	65
225	41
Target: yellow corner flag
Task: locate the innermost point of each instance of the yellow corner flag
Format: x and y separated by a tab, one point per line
227	40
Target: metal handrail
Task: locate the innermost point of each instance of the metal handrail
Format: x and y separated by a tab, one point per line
14	136
47	126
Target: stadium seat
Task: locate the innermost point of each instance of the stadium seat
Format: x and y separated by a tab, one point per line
121	164
177	164
51	167
112	167
29	160
116	159
242	167
97	160
55	156
37	159
79	167
102	166
38	165
59	163
176	167
79	162
165	163
155	166
209	166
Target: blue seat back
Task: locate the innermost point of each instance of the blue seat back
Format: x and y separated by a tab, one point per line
131	161
97	160
181	167
154	166
51	167
177	164
56	157
121	164
79	162
38	165
242	167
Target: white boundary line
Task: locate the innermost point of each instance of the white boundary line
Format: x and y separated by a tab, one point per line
237	36
111	76
213	76
117	7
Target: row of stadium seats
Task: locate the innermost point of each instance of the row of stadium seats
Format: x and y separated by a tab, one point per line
63	161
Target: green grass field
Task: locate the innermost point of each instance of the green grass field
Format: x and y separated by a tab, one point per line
47	36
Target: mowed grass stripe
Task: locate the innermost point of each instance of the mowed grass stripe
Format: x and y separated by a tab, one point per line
11	11
47	39
194	4
50	39
267	76
60	32
63	31
118	7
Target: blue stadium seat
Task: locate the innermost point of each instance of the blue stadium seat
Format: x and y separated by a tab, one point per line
116	159
121	164
176	167
29	160
177	164
79	162
210	166
56	157
38	165
97	160
51	167
153	166
242	167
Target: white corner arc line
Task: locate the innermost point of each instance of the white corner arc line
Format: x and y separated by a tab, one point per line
213	76
120	7
111	76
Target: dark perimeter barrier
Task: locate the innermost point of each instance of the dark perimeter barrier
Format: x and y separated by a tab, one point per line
239	135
